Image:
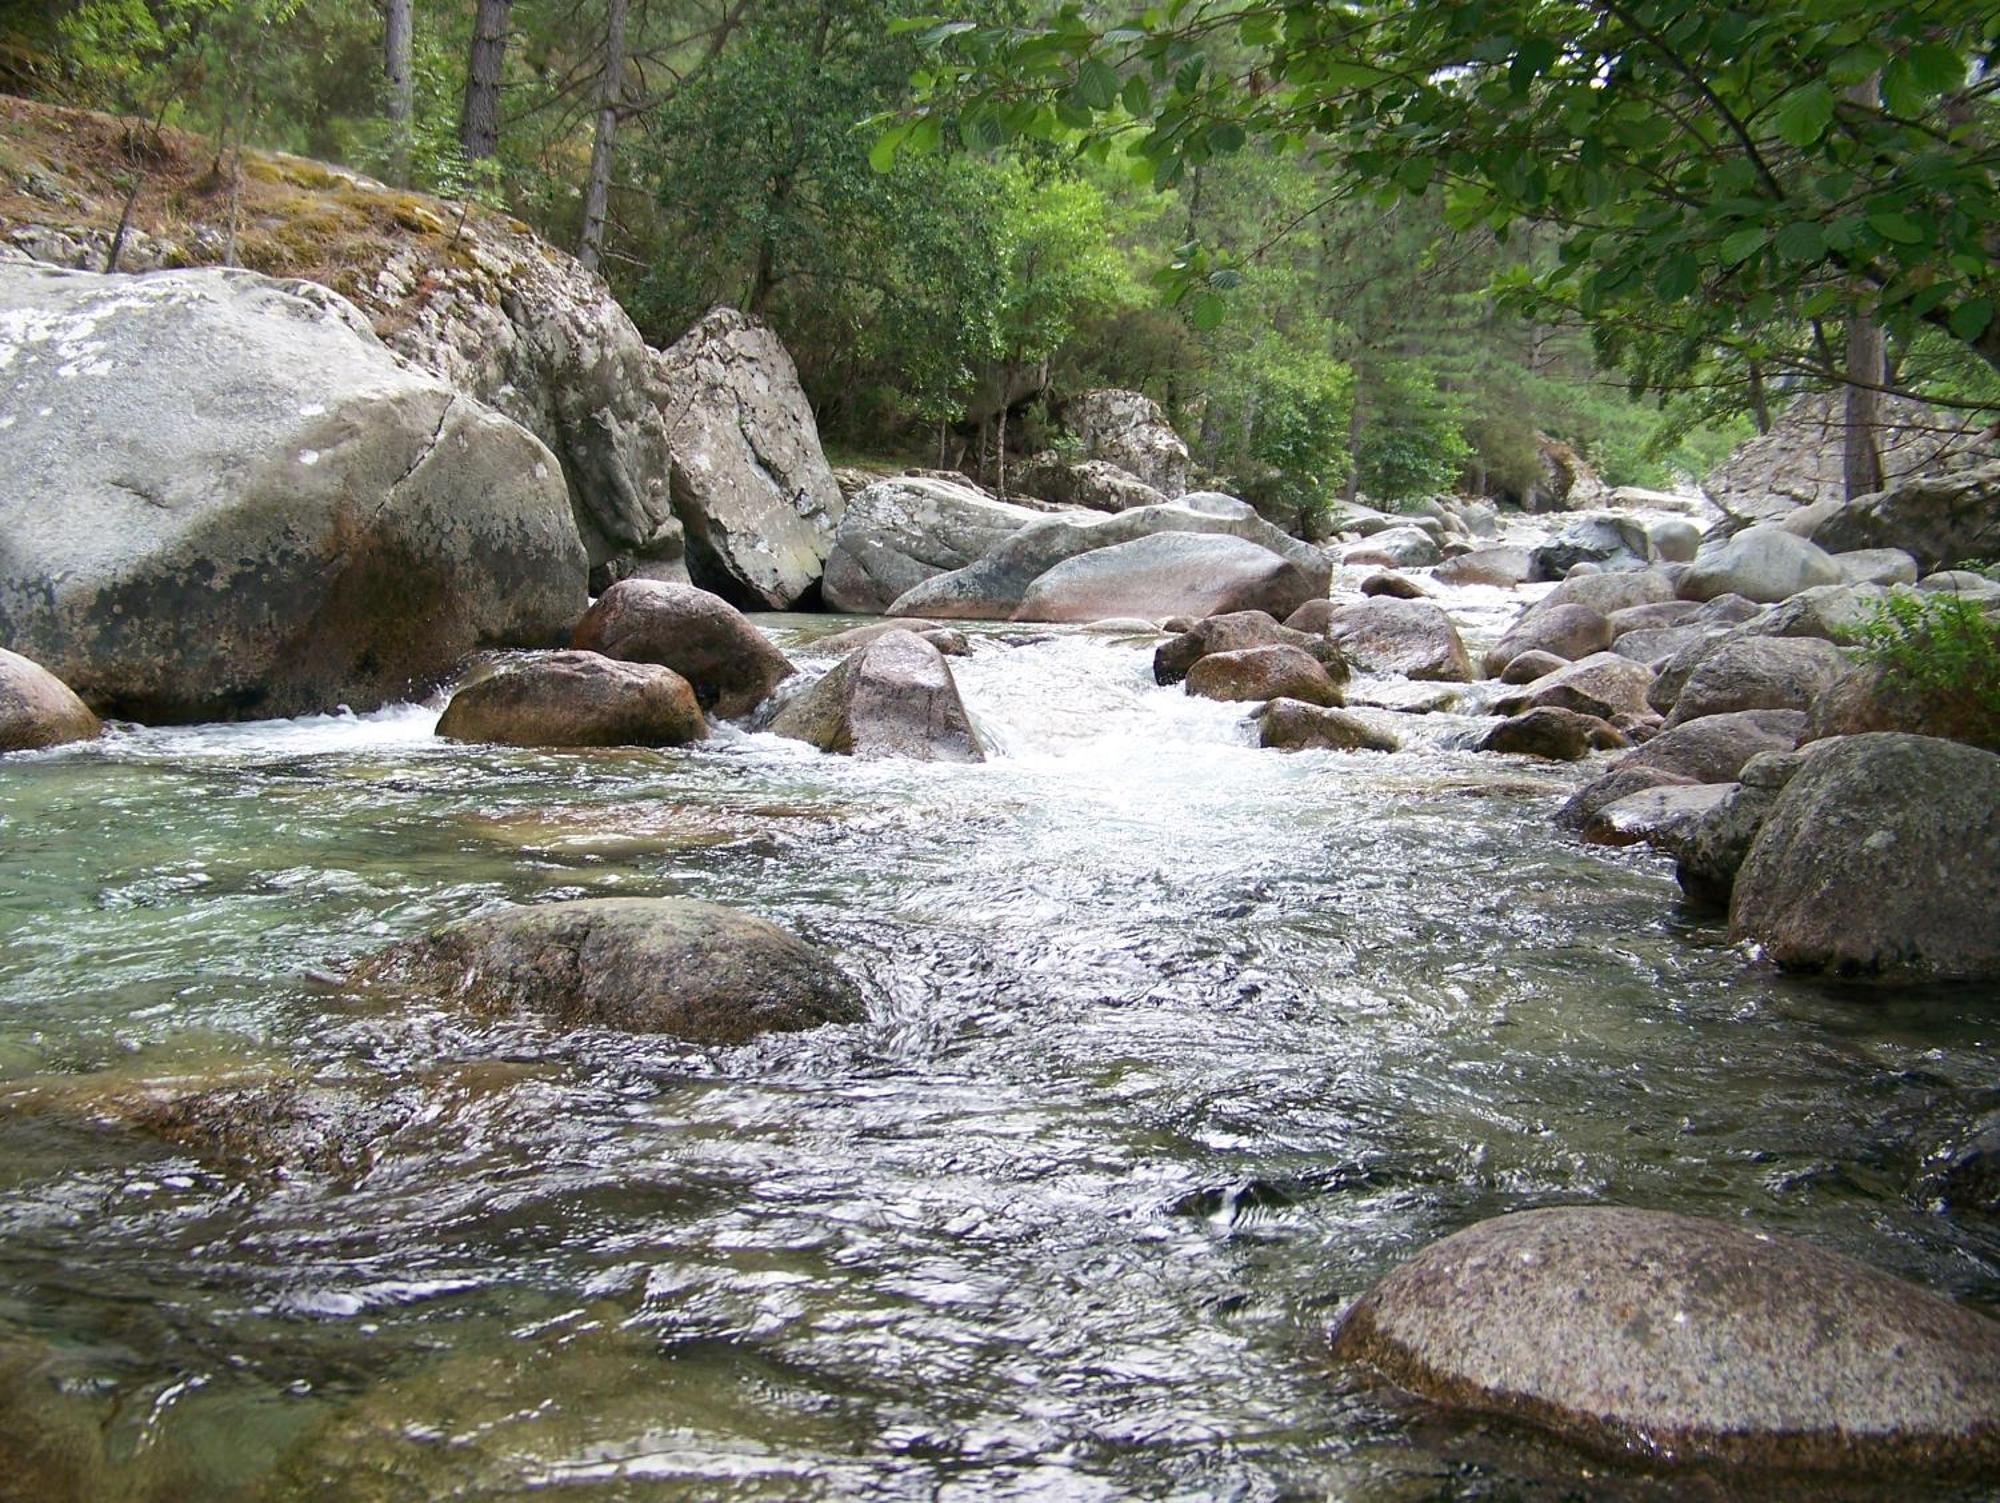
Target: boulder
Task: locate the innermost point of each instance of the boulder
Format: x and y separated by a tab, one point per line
1621	782
1565	631
1254	673
1393	585
1833	613
1961	582
1670	675
898	533
694	970
221	496
1879	566
1709	848
37	709
951	643
1403	547
732	666
1881	857
1660	615
1314	617
1870	698
1603	684
1673	540
1968	1170
575	699
995	586
1609	593
750	482
1659	816
1759	673
1714	748
1656	649
1095	483
1765	564
1531	665
895	697
1167	573
1681	1339
1501	567
1938	519
1566	483
1289	725
1386	634
1130	431
1555	734
1610	541
1234	632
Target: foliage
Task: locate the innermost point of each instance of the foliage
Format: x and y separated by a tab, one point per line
1278	420
1939	645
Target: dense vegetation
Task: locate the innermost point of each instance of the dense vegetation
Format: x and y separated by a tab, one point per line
1349	247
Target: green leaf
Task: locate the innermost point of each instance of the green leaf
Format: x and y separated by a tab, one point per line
1207	312
1969	320
1744	244
1678	277
1227	137
882	155
1801	241
1935	68
1137	97
1897	228
1806	113
1096	84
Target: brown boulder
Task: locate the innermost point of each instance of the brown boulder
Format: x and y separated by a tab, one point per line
1288	725
1603	684
1393	585
1555	734
1234	632
1567	631
1531	665
1389	634
575	699
731	665
895	697
1251	673
37	709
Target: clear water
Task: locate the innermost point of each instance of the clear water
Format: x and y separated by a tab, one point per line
1173	1046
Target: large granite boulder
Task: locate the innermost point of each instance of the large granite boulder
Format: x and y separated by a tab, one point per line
1714	748
1404	547
1881	857
37	709
697	971
220	496
1291	725
1870	697
1234	632
732	666
1263	673
1603	684
1764	564
898	533
1386	634
1605	539
1759	673
575	699
1167	574
1568	632
1501	567
998	584
1130	431
894	697
1094	483
1938	520
751	483
1682	1339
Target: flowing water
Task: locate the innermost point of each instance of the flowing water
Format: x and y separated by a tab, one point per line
1173	1046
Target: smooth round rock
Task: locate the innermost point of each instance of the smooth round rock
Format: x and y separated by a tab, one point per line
698	971
731	665
1552	733
1289	725
1276	672
1687	1339
37	709
575	699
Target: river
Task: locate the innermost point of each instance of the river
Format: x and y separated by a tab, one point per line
1173	1045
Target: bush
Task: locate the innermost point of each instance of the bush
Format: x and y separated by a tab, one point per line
1942	646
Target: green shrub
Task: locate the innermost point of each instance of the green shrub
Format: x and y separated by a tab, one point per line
1940	645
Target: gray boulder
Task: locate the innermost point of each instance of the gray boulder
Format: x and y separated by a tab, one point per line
221	496
1714	748
1386	634
1759	673
1683	1339
1094	483
1881	857
1167	573
1605	539
1938	519
1500	567
1130	431
1608	594
952	644
1565	631
1257	673
575	699
1880	566
694	970
750	482
1659	616
1234	632
894	698
1658	816
37	709
1660	647
731	665
1290	725
1760	563
997	584
1673	540
898	533
1404	547
1621	782
1603	684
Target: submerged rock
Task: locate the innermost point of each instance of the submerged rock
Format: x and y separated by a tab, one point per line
750	481
1253	673
894	697
697	971
1685	1339
575	699
731	665
221	497
1881	857
1289	725
37	709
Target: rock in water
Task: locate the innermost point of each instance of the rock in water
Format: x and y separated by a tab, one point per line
1881	857
898	533
1130	431
702	637
751	482
1253	673
1387	634
893	698
1167	574
697	971
1553	733
1288	725
220	496
1234	631
1565	631
575	699
1686	1339
37	709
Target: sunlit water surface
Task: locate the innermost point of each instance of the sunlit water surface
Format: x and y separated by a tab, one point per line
1173	1045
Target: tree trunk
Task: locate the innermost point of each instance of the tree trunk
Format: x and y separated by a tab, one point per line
479	125
397	32
1863	464
1760	403
610	99
1351	492
1000	441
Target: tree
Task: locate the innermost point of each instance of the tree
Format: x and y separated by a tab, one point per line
1714	173
611	99
398	32
479	122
